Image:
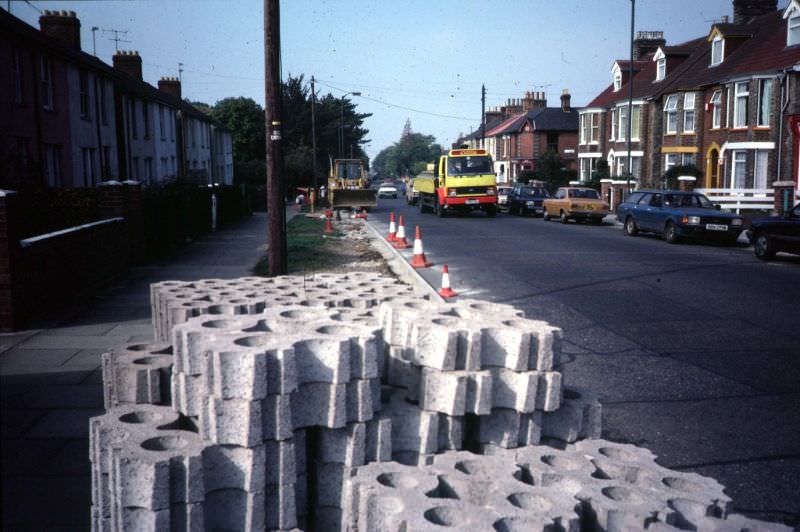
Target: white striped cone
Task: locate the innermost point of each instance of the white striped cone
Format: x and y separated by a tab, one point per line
392	230
400	241
419	260
446	291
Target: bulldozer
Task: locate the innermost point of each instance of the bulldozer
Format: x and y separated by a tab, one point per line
348	187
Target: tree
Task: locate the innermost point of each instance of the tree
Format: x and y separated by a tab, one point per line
409	155
245	119
671	176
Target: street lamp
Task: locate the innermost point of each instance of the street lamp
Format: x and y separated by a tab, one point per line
341	123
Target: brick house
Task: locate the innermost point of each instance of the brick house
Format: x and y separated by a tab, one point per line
527	130
75	121
726	102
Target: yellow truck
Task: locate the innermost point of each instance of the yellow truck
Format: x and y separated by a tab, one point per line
462	181
348	186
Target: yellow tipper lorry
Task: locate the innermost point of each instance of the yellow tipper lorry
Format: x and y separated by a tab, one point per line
348	186
462	181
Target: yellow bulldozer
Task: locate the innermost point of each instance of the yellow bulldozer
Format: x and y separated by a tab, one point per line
348	186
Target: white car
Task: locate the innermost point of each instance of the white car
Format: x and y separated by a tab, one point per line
387	191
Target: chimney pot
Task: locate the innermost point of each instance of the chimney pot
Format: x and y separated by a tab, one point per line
62	26
129	63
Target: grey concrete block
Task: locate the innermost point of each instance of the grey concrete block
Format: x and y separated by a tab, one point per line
378	440
548	396
320	405
346	445
515	390
451	433
578	416
137	373
235	509
234	467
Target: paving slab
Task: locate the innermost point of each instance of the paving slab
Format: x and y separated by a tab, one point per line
74	342
28	358
78	396
86	359
72	423
37	503
21	456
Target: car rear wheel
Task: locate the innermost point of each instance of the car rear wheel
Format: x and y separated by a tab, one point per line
564	219
545	216
671	233
763	247
630	226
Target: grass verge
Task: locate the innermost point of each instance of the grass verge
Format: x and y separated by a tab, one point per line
308	250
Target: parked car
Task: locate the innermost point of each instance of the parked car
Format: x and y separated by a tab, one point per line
502	197
676	214
777	233
575	203
526	199
387	191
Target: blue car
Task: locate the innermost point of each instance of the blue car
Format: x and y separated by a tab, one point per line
676	215
526	199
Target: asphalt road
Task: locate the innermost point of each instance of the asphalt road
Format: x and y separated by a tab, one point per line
693	349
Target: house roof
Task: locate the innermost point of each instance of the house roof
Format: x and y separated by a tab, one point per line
132	85
542	119
642	80
764	53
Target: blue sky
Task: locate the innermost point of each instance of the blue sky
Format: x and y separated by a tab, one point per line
429	56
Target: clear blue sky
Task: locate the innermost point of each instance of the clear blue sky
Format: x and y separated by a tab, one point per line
427	55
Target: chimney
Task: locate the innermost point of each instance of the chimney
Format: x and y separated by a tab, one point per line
170	86
746	10
565	101
129	62
647	42
62	26
493	113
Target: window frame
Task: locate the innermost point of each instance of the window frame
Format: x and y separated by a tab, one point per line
793	27
720	42
661	69
83	94
716	109
617	80
689	110
614	132
670	113
761	120
622	118
46	83
741	95
734	173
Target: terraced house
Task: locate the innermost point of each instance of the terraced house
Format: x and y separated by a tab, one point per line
726	103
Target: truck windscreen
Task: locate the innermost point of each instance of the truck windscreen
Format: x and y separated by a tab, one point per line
480	164
349	170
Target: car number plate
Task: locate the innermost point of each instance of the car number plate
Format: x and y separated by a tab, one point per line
716	227
472	202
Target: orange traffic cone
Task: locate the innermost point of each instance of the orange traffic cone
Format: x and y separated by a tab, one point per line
400	241
446	291
419	260
328	224
364	213
392	230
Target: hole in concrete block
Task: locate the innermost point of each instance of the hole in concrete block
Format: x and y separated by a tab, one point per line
261	326
398	480
220	324
564	483
622	494
617	454
138	347
148	361
571	394
446	322
218	309
252	341
141	417
523	474
530	501
296	314
689	513
471	467
442	491
517	324
682	484
164	443
520	524
416	305
445	516
336	330
390	505
560	462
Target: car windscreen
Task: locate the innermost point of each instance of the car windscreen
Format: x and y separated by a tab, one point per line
687	201
470	165
583	193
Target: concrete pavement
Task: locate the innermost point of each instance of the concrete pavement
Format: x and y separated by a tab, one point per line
51	384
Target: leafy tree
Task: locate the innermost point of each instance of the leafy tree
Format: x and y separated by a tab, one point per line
408	156
245	118
670	179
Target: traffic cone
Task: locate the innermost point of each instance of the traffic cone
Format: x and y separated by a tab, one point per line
364	213
392	230
446	291
400	240
328	224
419	260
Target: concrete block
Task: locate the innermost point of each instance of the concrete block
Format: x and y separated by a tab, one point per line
235	509
451	432
320	405
578	416
280	462
232	421
378	440
548	395
234	467
281	507
443	391
137	373
501	428
359	400
346	445
530	429
515	390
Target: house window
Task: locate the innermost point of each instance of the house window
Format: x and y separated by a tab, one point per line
740	104
172	125
623	123
552	142
661	71
688	112
738	169
46	80
716	111
18	92
613	125
161	124
595	138
52	164
148	170
717	50
670	160
671	114
84	94
87	156
132	114
585	132
146	119
101	92
136	168
764	102
636	122
617	80
588	166
793	34
636	165
164	166
760	173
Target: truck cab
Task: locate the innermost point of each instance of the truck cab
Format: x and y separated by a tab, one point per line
462	181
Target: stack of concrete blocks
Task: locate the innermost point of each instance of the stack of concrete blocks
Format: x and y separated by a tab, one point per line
476	375
592	485
137	374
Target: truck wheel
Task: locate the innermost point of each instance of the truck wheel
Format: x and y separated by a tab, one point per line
491	211
421	204
437	209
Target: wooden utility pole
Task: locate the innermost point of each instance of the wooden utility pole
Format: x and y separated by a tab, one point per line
483	114
276	213
314	135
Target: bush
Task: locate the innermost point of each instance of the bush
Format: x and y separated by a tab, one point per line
670	179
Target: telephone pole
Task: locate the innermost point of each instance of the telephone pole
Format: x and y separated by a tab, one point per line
483	113
276	213
314	136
